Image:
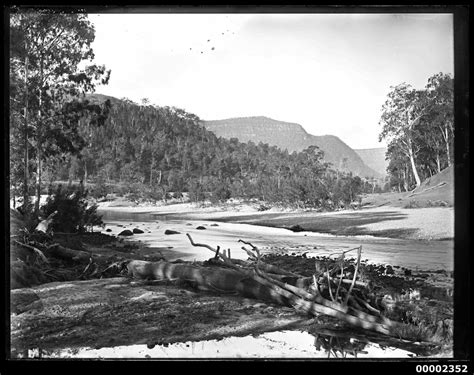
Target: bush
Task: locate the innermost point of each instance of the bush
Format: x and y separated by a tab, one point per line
74	214
412	204
177	195
100	189
220	193
196	191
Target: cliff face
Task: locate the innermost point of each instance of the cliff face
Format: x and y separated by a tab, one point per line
293	137
261	129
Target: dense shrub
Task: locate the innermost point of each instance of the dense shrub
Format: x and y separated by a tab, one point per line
196	191
100	188
74	215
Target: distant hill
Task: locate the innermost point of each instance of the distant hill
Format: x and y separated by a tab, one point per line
374	158
293	137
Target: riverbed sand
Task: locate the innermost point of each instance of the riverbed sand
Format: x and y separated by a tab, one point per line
224	226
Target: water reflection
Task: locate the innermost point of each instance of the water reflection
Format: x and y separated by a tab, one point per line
279	344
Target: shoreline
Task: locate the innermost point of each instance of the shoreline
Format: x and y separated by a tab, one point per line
429	224
224	227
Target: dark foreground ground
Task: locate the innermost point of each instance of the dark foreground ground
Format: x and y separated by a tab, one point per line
114	310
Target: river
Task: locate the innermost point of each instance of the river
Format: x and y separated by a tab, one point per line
420	255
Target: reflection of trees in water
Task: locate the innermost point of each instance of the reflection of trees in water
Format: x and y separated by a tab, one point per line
339	347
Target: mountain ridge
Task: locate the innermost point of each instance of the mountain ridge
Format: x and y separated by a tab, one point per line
292	137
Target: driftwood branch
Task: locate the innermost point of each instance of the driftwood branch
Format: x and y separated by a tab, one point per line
34	249
359	253
216	251
62	252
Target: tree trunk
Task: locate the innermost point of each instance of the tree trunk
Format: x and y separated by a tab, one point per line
447	147
38	143
413	165
151	170
438	162
26	157
405	179
256	285
38	178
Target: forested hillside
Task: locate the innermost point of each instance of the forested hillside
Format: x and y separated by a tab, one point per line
292	137
165	150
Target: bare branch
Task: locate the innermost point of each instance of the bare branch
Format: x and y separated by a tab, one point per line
355	275
36	250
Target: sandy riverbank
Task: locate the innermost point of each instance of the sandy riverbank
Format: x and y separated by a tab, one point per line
433	223
224	226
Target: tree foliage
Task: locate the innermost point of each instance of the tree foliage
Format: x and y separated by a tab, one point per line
50	71
419	128
159	151
75	214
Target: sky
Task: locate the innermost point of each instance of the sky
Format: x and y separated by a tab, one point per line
330	73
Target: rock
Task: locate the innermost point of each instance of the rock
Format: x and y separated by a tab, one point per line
126	232
296	228
108	230
214	225
389	270
169	231
137	231
200	227
407	272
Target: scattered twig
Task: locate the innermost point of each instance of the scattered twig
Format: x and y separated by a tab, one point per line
329	285
222	255
359	253
340	281
91	261
249	253
248	243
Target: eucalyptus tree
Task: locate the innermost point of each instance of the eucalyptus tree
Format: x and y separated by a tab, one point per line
440	93
401	115
51	52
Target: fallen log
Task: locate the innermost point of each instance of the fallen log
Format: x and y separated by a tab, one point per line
229	280
61	252
217	279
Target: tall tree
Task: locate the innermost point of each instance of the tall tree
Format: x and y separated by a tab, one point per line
54	48
440	92
401	114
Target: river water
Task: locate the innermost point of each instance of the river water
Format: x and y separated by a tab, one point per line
413	254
